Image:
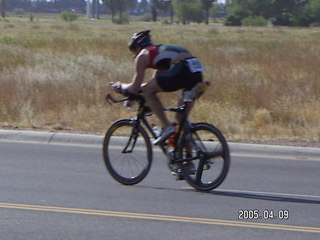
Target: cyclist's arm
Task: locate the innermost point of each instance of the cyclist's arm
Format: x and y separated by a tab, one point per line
141	63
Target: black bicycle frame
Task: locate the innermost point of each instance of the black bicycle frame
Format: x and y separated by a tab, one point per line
183	124
144	112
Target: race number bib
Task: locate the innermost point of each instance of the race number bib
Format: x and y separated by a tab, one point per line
195	65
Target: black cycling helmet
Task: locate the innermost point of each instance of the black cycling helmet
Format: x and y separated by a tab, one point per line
141	39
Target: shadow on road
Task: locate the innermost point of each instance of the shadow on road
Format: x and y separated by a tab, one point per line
250	195
265	196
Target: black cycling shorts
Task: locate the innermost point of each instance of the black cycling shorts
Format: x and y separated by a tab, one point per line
178	77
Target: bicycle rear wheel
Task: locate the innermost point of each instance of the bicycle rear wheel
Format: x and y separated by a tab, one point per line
127	152
208	149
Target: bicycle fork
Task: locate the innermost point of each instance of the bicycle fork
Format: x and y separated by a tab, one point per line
132	140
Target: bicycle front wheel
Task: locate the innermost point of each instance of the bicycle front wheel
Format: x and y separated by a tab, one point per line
127	152
208	156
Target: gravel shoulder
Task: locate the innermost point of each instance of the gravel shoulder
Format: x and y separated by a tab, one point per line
284	142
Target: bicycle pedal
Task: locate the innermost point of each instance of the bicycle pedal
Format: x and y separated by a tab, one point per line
178	176
173	167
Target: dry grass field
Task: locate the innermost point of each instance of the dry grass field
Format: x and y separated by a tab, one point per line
264	81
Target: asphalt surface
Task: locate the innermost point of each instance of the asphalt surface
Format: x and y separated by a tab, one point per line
88	139
55	186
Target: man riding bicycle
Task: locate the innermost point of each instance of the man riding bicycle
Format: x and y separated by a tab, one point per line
175	68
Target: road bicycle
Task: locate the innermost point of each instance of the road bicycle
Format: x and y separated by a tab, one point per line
128	150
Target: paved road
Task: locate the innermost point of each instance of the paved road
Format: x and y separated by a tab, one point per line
52	191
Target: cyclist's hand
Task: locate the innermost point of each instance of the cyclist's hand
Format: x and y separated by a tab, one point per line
121	87
117	87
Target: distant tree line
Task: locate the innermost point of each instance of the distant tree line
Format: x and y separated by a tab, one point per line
185	10
278	12
44	5
238	12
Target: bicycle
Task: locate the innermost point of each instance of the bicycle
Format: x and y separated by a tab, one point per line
127	149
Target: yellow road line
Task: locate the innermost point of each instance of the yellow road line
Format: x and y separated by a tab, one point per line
161	217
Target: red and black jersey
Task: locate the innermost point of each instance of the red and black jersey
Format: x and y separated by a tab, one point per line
161	55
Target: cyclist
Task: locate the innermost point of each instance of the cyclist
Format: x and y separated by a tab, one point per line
175	68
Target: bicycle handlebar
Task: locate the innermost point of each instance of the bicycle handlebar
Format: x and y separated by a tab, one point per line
129	96
140	99
109	97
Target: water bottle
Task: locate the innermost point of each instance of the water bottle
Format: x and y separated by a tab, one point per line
171	146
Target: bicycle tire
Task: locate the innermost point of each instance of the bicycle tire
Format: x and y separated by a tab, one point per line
210	171
127	159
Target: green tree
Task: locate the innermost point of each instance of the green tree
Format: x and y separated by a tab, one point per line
207	4
313	8
143	6
2	8
188	11
118	6
281	12
288	12
111	4
218	11
308	15
154	12
121	6
159	5
237	10
69	16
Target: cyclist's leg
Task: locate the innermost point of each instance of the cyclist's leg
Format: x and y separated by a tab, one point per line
188	105
188	81
165	81
177	77
150	91
191	79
